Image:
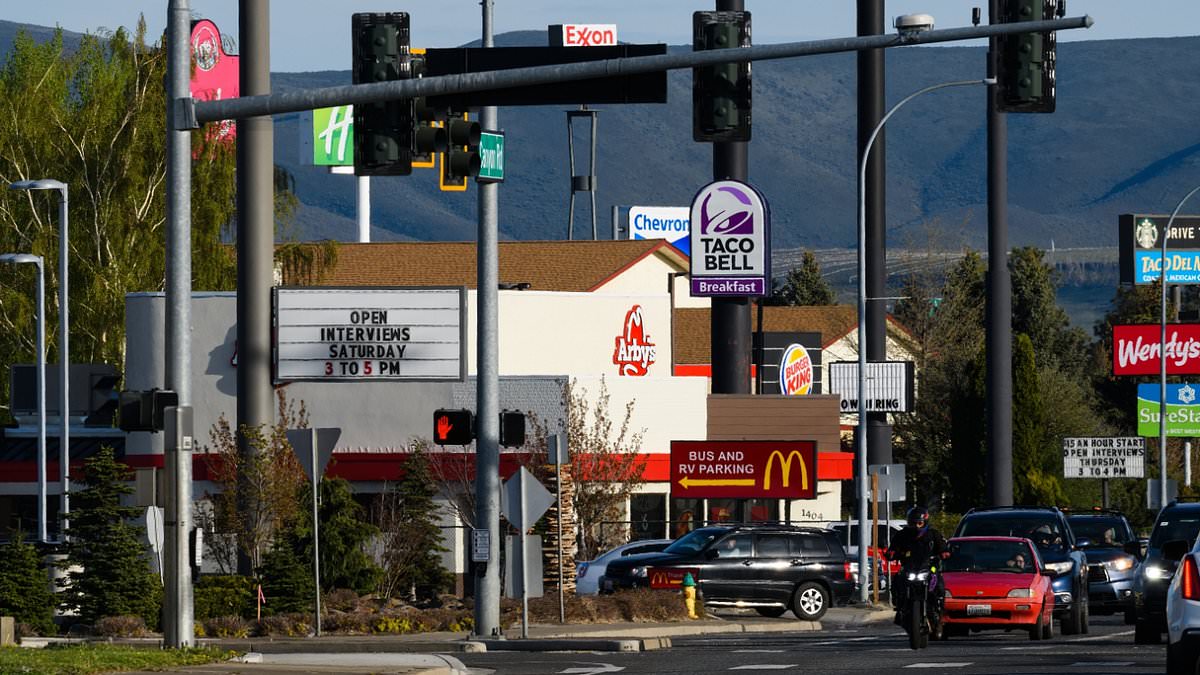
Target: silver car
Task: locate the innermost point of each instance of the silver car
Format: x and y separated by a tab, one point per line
587	574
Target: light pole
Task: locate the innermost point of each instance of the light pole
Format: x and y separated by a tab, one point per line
17	259
64	354
1162	389
863	492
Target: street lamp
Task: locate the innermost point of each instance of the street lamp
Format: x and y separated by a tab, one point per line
1162	389
17	259
863	494
64	354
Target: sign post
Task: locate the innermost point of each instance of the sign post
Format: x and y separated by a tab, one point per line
558	455
523	501
313	448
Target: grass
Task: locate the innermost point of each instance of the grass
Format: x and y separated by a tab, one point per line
100	658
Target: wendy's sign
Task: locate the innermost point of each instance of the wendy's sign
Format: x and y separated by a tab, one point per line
215	73
1137	349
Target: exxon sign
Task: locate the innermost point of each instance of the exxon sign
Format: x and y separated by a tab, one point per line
583	35
730	241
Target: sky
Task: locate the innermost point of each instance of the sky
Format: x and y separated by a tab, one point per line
315	34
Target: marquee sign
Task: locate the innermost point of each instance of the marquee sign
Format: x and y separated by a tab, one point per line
1104	457
744	469
889	385
338	334
1137	349
730	241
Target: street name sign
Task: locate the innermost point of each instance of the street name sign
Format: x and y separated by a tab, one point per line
491	157
351	334
730	241
744	469
1122	457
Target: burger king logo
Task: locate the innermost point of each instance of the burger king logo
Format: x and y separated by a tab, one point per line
795	371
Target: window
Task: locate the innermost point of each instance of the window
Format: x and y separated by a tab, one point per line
810	545
773	546
649	514
685	514
735	546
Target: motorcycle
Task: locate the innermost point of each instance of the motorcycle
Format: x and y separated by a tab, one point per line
920	611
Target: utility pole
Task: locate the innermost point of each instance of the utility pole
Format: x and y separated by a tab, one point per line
487	385
730	316
999	291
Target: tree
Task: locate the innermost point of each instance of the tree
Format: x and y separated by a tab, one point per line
107	564
604	465
804	286
287	577
1036	463
412	540
344	535
267	499
1037	314
24	585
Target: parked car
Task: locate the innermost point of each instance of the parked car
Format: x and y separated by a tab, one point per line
1175	522
587	574
996	582
1183	607
1103	534
771	568
1047	528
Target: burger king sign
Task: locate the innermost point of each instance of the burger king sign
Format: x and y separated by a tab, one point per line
795	371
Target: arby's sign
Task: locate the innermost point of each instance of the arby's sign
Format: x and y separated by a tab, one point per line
1137	349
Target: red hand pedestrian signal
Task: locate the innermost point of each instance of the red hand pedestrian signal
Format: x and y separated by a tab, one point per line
453	427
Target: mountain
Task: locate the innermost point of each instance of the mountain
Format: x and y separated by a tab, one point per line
1123	139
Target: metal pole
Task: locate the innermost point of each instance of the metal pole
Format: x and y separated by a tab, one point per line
178	630
1187	464
1104	492
363	208
41	387
1162	390
64	360
870	110
487	442
730	317
562	607
316	481
999	292
571	177
595	117
521	557
616	220
863	489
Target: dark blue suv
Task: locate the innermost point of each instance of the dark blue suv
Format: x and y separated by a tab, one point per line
1047	528
1104	535
1178	520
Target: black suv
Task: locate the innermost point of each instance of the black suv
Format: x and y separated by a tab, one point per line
772	568
1178	520
1103	534
1047	528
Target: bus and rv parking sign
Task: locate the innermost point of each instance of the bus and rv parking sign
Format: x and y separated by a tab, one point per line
1104	457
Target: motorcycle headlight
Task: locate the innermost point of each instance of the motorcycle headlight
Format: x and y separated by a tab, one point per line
918	576
1020	593
1157	572
1120	564
638	572
1059	567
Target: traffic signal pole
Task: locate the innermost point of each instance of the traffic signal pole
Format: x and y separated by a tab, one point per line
730	316
487	386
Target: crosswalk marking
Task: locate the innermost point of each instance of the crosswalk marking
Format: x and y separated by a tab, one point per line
1101	664
958	664
766	666
758	651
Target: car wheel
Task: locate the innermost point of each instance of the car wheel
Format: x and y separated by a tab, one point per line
1072	623
810	601
1038	631
1177	660
771	612
1146	633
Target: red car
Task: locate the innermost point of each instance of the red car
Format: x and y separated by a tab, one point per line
996	582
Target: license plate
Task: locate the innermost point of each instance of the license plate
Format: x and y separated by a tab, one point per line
979	610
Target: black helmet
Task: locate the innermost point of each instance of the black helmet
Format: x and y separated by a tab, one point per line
918	514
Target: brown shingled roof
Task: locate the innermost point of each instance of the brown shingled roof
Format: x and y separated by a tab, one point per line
693	339
579	266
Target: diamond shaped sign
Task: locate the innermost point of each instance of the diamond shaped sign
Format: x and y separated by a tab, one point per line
537	499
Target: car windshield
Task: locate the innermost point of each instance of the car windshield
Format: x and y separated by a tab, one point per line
695	541
1043	531
1101	532
1175	526
989	556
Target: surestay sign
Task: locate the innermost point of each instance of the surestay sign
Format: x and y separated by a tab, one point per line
1137	349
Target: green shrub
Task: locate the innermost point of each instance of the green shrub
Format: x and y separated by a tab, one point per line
120	626
25	586
292	624
227	627
223	595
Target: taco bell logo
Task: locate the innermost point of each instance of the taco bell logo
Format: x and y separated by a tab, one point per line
730	241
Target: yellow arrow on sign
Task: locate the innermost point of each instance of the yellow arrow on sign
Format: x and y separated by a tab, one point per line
701	482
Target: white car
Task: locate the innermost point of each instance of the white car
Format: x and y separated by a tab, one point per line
587	574
1183	608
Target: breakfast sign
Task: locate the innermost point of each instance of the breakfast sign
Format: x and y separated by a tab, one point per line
744	469
338	334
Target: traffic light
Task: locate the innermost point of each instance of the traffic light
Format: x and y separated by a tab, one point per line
512	428
382	131
721	93
144	410
1025	61
461	159
453	427
429	133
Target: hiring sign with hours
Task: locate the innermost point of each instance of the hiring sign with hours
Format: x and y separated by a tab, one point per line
744	469
1104	457
338	334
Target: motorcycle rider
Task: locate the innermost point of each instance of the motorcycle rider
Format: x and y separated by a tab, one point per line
913	546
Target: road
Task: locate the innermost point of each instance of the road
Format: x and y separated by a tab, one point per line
878	648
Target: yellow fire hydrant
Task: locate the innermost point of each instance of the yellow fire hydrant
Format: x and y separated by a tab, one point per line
689	595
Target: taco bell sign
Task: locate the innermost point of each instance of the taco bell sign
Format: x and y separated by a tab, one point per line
730	238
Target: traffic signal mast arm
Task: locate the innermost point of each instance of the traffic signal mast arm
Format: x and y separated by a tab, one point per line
193	113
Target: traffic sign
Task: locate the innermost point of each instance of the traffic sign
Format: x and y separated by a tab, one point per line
744	469
1104	457
522	514
491	157
302	441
